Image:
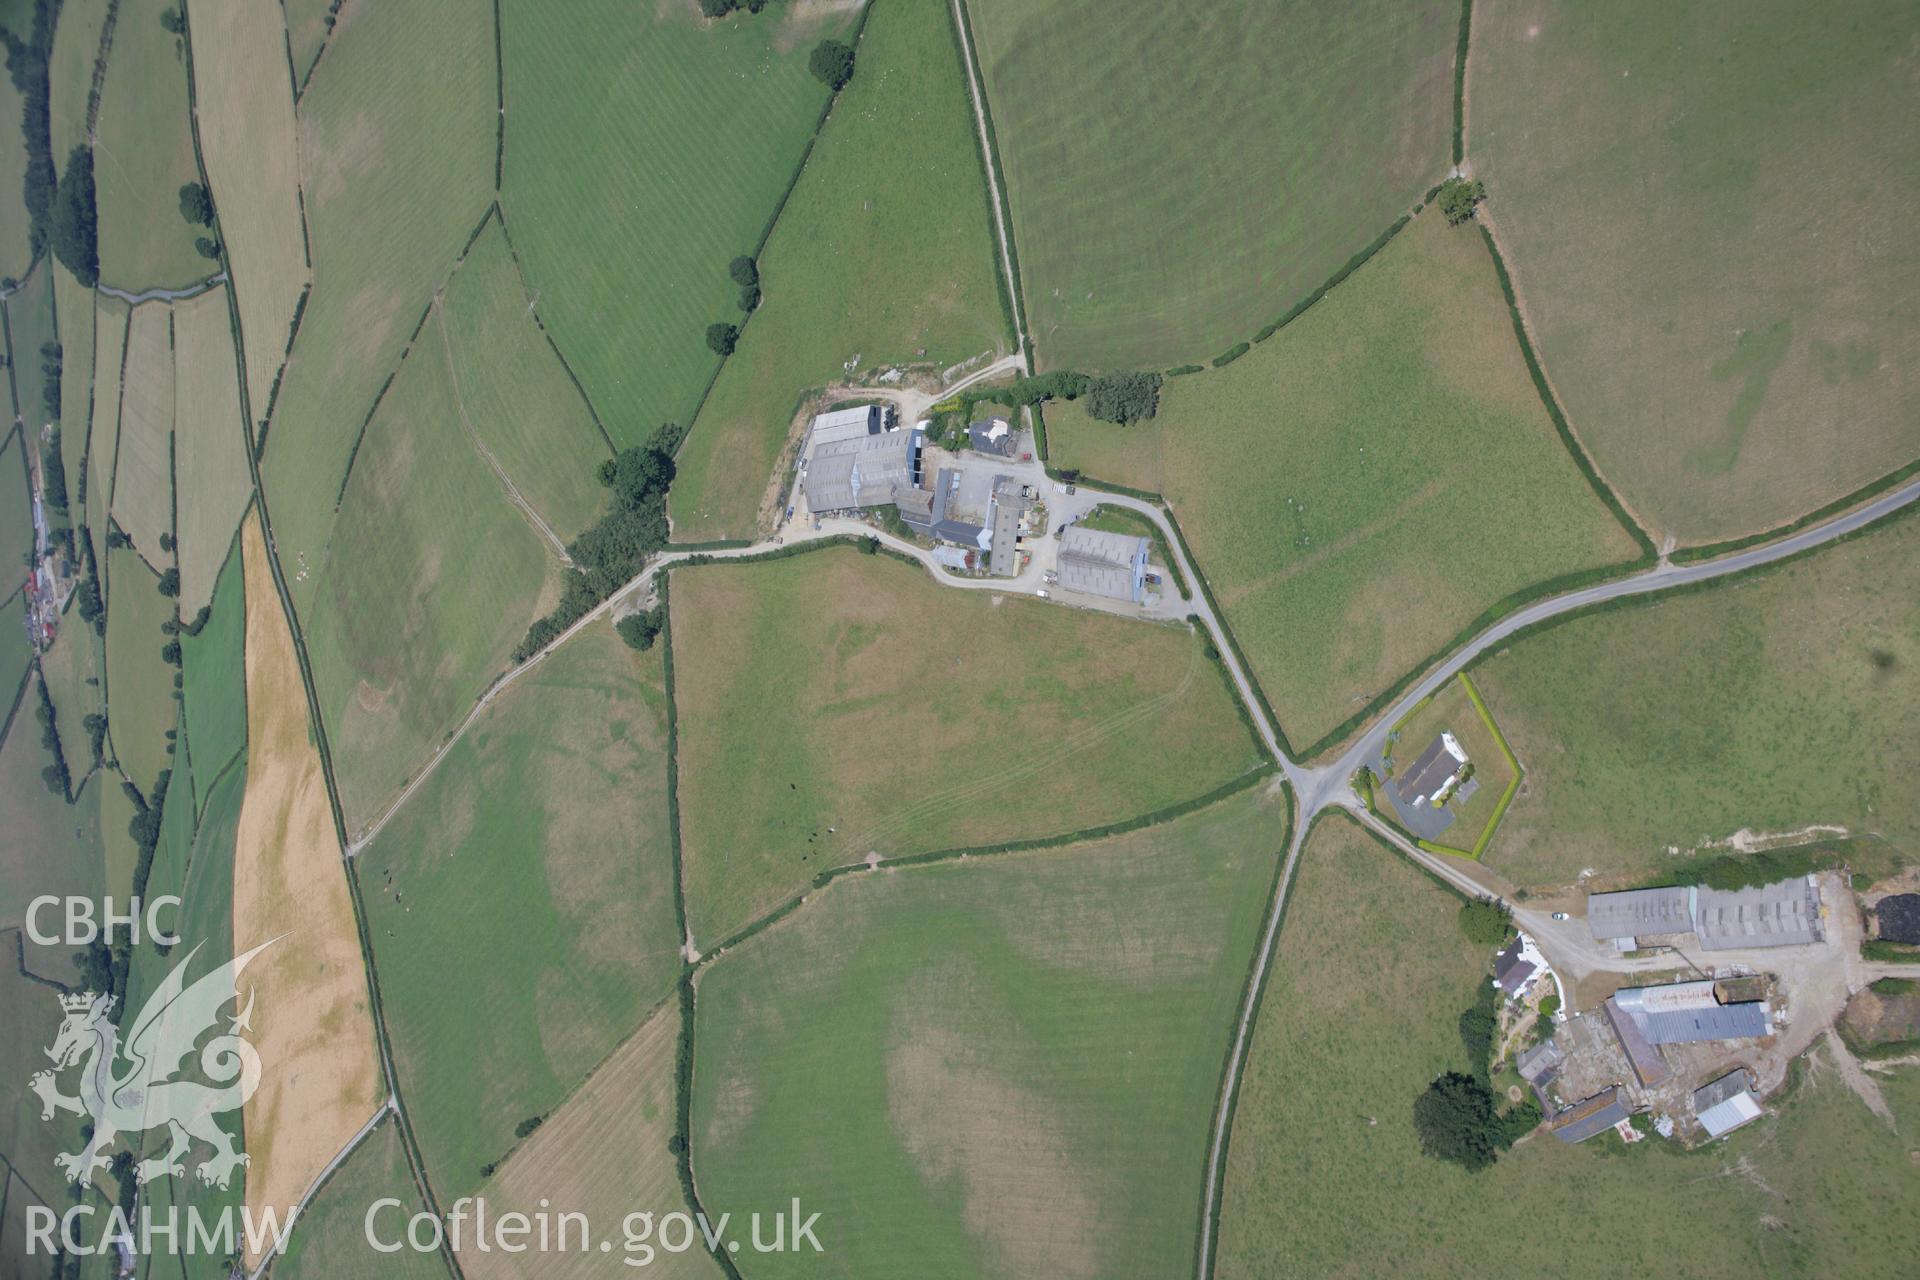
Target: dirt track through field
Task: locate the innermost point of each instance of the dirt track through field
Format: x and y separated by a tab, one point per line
312	1022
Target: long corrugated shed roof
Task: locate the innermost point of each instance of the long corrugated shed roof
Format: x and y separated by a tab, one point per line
1774	915
1639	912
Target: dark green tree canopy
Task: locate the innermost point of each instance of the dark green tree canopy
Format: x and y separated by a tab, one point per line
75	231
723	338
832	62
1458	196
196	204
1123	397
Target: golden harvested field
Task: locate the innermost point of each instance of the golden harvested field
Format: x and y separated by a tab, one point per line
312	1022
602	1153
251	149
833	705
143	465
1705	212
210	443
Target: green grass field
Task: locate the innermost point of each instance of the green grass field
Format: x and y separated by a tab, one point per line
1324	1129
1768	704
210	443
1734	356
250	145
884	254
644	150
396	144
30	323
515	395
75	307
307	31
142	152
16	515
1365	483
140	703
833	704
1181	176
143	461
330	1239
213	666
1002	1066
74	668
16	248
46	845
535	865
1452	711
16	651
431	578
76	44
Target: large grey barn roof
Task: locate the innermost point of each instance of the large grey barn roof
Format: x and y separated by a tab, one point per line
1773	915
1724	1022
1639	912
1097	563
1596	1115
861	471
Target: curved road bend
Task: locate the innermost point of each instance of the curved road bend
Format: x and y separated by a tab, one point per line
170	295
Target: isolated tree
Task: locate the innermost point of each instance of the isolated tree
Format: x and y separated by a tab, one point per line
749	297
196	204
723	338
744	270
170	583
1458	196
1455	1121
207	247
832	63
1485	922
172	21
640	629
718	8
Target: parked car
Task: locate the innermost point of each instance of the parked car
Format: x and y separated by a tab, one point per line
1044	594
1559	915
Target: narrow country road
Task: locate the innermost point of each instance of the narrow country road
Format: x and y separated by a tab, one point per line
170	295
977	93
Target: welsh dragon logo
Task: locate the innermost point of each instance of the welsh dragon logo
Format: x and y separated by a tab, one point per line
146	1094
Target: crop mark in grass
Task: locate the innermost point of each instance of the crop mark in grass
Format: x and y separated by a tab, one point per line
1757	353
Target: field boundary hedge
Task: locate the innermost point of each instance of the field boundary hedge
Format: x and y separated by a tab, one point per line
990	144
1538	372
1252	994
1460	85
1681	590
1029	844
1872	489
766	232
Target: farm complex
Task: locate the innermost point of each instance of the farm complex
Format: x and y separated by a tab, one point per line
978	638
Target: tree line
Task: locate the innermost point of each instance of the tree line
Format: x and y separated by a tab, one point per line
610	552
60	209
